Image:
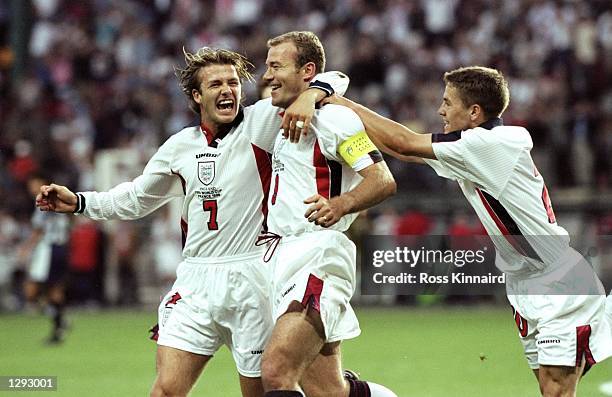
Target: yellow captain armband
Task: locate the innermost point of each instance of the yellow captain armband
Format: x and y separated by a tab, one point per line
356	147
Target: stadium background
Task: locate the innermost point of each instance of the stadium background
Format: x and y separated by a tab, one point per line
87	93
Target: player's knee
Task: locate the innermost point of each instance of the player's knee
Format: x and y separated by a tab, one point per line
557	383
277	373
167	387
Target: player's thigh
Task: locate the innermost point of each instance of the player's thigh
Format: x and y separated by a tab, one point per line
251	387
177	370
324	376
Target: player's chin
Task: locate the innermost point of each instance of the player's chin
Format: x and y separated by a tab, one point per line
225	117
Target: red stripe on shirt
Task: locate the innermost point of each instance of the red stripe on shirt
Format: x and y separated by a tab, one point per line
184	229
500	225
207	134
264	167
321	171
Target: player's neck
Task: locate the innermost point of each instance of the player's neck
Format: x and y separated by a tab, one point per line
209	128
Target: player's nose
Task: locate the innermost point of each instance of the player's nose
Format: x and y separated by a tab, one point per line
226	90
267	76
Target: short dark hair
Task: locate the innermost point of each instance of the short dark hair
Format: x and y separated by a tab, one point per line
478	85
205	56
309	48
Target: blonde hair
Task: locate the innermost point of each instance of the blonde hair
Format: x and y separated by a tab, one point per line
205	56
309	48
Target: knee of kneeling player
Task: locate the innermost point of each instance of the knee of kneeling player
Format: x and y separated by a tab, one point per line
276	373
164	387
557	382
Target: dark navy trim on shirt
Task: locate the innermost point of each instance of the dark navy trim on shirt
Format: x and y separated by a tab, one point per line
456	135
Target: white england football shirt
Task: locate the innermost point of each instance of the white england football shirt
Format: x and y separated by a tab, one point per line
224	181
494	168
314	166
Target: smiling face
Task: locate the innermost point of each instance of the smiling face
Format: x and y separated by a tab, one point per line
286	79
218	95
455	115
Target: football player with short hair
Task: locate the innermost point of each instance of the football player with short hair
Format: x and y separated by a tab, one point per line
318	186
221	169
557	299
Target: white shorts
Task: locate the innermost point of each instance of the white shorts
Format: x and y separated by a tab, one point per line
41	262
561	330
218	301
317	268
49	263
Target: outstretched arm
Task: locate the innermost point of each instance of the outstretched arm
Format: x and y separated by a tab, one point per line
396	138
377	185
129	200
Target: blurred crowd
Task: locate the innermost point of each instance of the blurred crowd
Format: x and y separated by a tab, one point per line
81	77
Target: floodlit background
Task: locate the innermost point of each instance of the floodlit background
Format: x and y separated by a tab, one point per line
87	94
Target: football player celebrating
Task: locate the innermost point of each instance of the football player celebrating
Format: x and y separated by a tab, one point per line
558	301
221	170
318	186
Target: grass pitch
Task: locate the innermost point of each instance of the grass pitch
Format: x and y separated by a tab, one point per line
427	352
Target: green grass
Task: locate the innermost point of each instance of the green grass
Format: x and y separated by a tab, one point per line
416	352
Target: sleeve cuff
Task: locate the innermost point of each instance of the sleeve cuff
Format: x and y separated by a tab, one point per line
327	88
80	206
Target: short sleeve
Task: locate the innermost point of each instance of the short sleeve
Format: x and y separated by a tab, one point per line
484	157
439	168
331	82
262	123
343	138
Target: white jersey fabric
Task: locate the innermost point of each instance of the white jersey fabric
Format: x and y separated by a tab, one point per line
497	175
558	301
314	265
220	295
223	183
313	166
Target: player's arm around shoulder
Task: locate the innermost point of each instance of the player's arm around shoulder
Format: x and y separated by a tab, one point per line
393	137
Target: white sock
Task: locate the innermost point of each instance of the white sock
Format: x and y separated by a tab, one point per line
377	390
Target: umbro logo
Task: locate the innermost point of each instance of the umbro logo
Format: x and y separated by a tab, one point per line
257	351
548	341
288	290
199	156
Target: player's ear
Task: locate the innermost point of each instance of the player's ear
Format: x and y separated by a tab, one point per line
197	97
310	70
476	112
